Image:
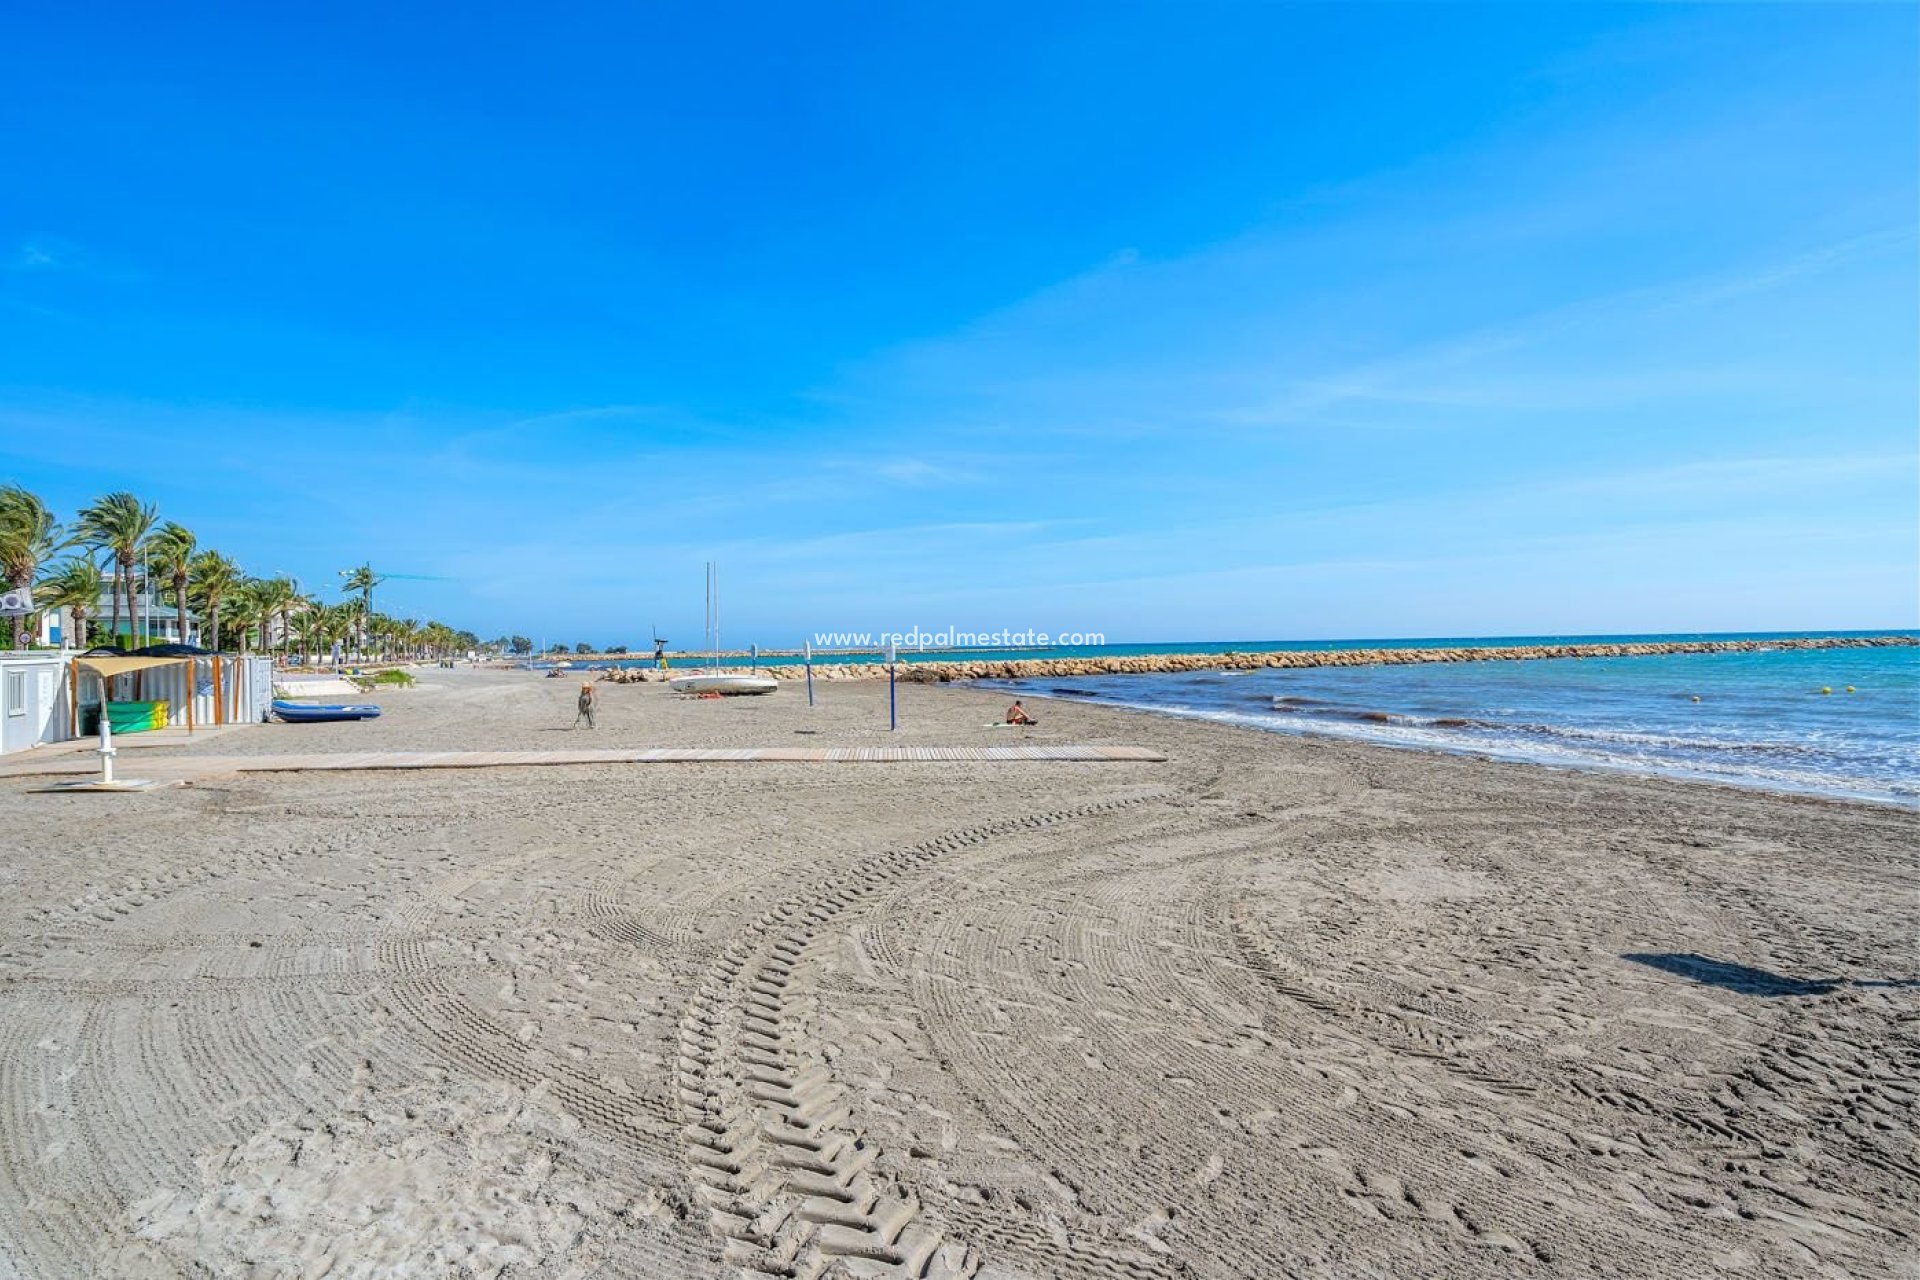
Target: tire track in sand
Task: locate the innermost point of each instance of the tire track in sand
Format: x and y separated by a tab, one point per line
791	1186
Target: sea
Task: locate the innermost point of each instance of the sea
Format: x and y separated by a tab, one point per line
1834	722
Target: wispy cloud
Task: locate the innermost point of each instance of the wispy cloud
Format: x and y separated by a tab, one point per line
1710	291
53	256
32	255
589	413
902	471
1431	374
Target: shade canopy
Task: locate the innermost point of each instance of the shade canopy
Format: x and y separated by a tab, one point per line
121	665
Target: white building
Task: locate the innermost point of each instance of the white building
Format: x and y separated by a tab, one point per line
153	622
37	694
33	700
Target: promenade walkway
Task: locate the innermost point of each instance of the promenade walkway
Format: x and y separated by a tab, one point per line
185	768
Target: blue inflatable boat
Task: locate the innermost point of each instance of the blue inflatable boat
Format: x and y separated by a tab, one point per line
321	712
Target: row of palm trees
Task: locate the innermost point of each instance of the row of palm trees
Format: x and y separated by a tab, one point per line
117	547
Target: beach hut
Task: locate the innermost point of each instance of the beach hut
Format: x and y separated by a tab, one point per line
32	701
166	686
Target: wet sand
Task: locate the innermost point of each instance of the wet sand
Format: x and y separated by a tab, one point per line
1275	1007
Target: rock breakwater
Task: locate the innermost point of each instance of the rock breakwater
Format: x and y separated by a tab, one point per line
1149	664
1159	663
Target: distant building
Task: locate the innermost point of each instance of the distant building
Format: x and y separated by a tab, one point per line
153	622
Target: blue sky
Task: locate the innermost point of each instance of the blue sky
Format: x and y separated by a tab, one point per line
1167	321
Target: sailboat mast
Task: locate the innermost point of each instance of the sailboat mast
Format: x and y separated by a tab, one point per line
713	614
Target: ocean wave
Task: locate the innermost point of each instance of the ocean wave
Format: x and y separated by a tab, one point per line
1577	733
1736	764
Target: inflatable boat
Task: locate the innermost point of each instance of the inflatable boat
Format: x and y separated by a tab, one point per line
322	712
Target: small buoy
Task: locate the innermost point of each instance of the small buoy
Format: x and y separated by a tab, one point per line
1849	688
1696	697
1826	688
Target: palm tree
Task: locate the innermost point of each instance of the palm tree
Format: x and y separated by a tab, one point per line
74	586
117	525
363	580
214	579
245	597
29	535
170	553
290	602
273	598
341	620
380	630
440	639
316	623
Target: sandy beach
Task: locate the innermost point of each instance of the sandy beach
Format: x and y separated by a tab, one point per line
1277	1006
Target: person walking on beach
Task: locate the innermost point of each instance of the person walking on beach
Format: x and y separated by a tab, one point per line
588	701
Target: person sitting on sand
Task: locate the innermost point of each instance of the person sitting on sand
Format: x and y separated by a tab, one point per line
588	700
1017	714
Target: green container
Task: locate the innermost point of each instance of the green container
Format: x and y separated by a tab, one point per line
125	717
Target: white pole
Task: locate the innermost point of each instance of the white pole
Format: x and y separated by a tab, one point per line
106	738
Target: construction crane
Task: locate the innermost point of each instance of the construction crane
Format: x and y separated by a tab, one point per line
364	579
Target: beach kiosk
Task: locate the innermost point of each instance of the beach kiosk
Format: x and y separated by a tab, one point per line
137	713
168	686
126	716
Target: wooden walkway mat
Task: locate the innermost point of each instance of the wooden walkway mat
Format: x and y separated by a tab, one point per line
188	767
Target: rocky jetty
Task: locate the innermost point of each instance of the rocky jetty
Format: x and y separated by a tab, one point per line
1146	664
635	675
1155	663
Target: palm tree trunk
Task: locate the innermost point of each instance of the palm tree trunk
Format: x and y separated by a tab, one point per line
214	610
180	606
133	617
20	623
114	592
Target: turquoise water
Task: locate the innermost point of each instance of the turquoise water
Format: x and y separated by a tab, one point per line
1760	719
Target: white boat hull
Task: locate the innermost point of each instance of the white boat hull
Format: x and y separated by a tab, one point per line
729	685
